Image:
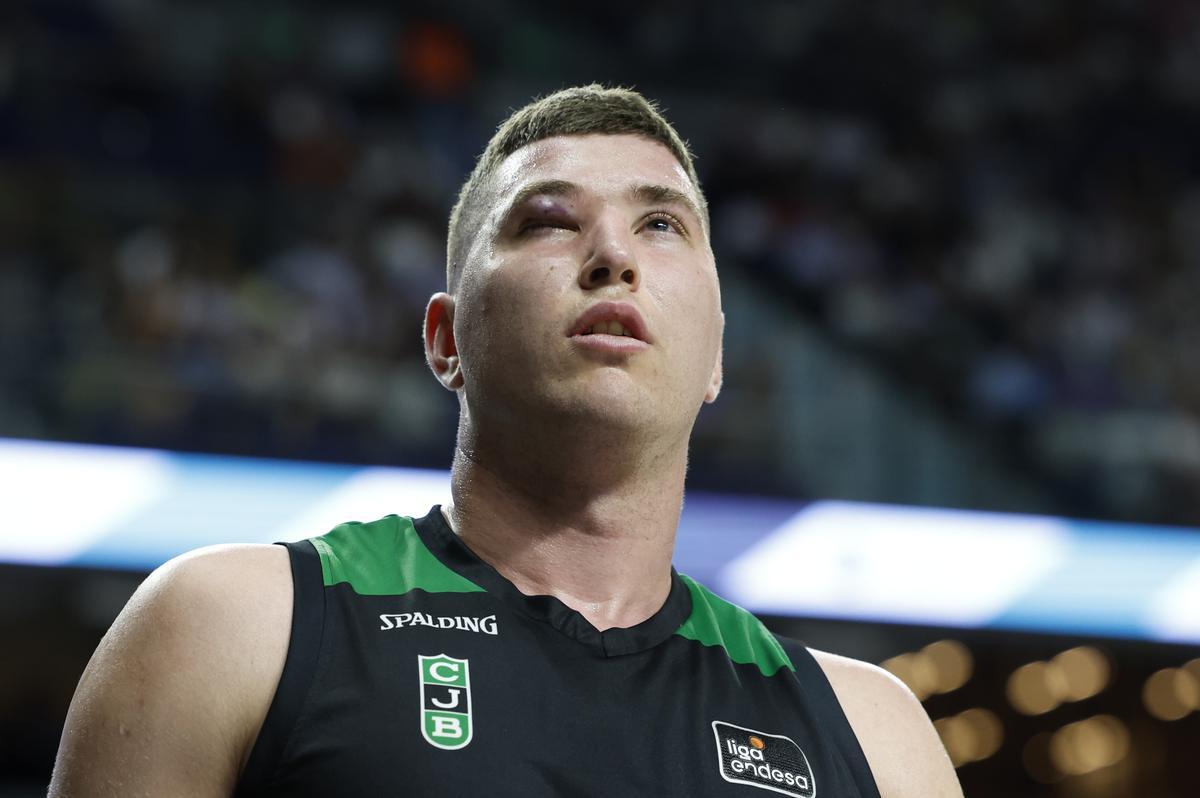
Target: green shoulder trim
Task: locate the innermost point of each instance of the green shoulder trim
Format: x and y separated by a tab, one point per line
716	622
385	558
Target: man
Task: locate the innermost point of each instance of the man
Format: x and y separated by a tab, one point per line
532	638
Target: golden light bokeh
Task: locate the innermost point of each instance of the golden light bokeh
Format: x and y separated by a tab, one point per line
1036	758
1034	688
971	735
1193	667
1089	745
940	667
952	662
1171	693
1085	671
1073	675
917	671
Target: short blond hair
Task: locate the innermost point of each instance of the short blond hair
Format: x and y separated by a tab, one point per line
576	111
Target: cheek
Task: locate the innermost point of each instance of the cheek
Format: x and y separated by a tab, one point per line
695	309
694	302
506	317
516	301
473	328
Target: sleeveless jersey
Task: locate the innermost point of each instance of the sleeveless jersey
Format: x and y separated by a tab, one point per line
416	669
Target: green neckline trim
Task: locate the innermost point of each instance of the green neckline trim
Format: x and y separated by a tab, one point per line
716	622
385	558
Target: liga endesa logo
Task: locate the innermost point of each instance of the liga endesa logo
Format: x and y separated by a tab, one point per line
770	761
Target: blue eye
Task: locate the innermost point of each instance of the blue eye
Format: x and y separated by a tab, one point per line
662	222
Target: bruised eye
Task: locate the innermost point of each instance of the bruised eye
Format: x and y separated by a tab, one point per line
544	224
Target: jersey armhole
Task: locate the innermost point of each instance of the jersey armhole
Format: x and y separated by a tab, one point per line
308	621
809	671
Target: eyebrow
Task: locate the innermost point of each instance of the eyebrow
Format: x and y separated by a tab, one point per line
646	194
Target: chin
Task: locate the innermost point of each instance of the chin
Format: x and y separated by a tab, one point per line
612	413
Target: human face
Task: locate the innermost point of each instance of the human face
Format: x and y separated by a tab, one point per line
584	229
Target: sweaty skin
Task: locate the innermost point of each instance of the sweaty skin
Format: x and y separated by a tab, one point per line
573	451
576	458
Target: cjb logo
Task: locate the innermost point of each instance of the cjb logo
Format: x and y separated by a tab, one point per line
445	701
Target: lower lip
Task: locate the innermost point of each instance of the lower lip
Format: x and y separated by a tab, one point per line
614	344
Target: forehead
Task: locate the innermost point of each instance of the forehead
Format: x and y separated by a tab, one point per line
599	163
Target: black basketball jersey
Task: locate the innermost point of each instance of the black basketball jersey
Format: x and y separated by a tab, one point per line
416	669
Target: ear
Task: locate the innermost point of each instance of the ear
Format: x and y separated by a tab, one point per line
441	353
714	382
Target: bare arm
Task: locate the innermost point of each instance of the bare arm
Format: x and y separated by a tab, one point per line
174	696
902	747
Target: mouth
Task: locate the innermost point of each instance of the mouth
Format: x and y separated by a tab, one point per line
607	328
616	319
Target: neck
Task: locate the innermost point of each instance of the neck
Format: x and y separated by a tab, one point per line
578	520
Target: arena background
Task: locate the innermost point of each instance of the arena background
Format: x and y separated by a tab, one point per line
959	245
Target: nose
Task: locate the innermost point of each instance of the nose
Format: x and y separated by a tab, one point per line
610	260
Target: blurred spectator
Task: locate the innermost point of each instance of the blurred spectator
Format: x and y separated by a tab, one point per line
219	223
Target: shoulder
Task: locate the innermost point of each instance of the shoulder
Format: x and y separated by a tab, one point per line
900	743
218	574
181	682
228	600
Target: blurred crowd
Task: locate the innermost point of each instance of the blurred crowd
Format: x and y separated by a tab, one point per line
219	222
